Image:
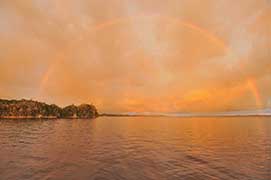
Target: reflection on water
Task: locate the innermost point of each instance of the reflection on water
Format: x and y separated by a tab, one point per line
136	148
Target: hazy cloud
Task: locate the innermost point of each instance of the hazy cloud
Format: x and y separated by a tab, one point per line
125	55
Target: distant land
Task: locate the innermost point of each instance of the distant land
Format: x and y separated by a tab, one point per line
244	113
29	109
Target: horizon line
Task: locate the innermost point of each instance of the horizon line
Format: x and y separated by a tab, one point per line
243	113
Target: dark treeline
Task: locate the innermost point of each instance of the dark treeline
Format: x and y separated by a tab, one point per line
34	109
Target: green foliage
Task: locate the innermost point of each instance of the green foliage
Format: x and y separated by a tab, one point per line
38	109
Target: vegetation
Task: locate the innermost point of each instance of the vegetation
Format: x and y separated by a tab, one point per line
33	109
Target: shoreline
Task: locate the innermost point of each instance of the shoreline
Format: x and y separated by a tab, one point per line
123	115
28	117
186	116
43	117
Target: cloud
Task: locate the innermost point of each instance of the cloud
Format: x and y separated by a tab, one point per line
53	51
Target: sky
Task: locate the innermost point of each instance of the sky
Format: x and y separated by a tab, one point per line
144	55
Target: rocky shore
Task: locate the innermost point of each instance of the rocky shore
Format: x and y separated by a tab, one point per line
29	109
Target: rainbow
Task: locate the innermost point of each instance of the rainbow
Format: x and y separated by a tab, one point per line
252	86
251	83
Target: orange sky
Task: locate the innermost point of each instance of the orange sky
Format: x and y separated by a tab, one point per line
145	55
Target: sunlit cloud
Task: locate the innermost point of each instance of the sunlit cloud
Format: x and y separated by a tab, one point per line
138	55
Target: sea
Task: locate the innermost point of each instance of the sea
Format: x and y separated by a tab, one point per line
137	148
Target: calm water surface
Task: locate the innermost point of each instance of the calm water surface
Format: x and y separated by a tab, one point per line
136	148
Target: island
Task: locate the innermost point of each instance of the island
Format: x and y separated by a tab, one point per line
30	109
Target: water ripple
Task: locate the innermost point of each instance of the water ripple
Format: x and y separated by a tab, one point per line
136	148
